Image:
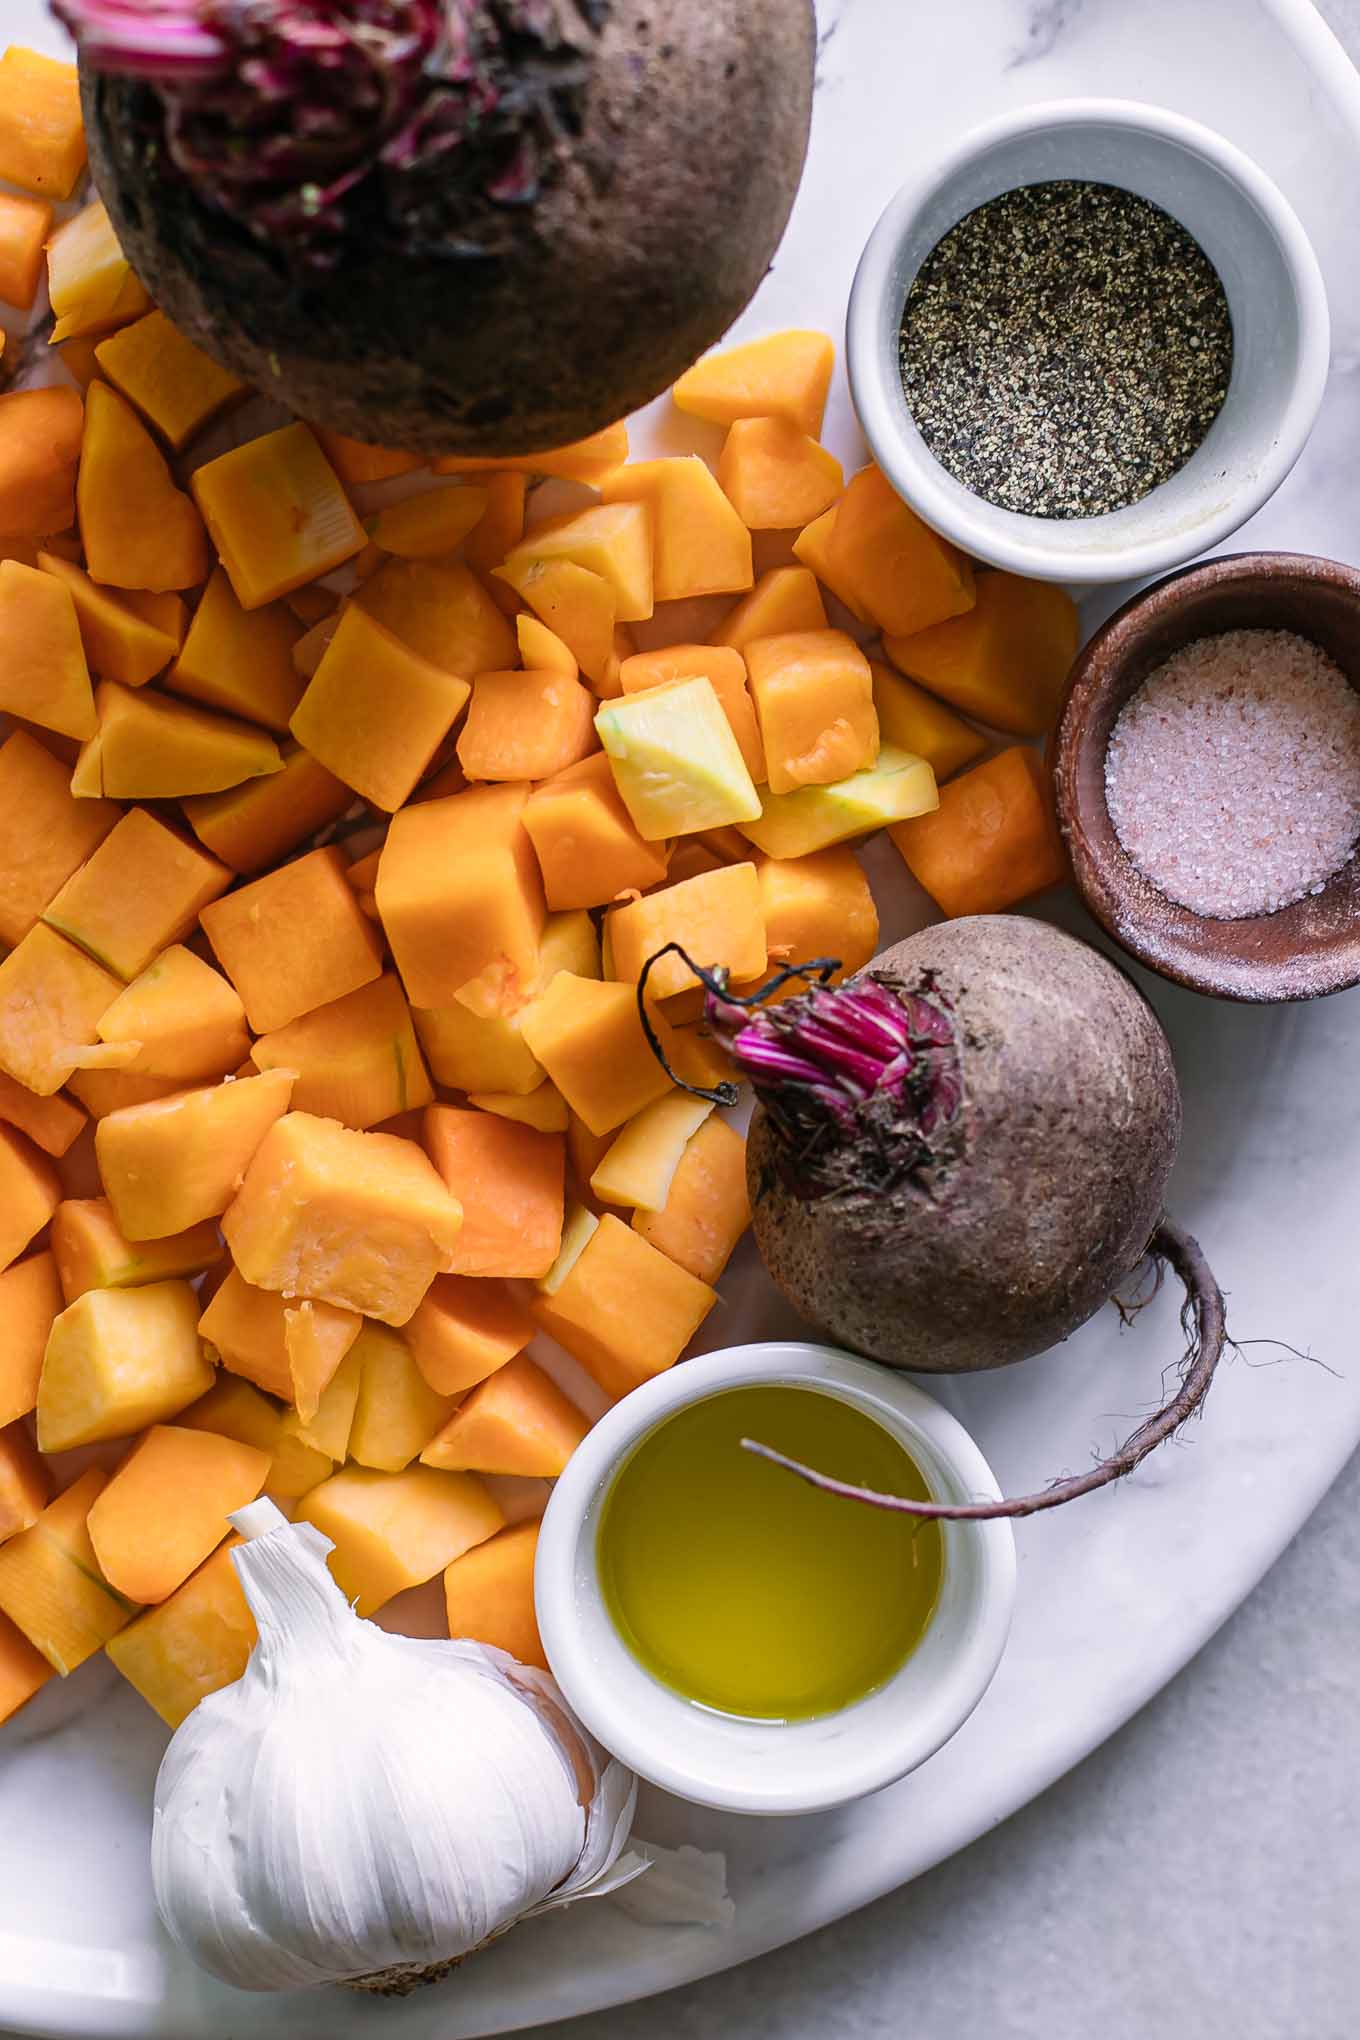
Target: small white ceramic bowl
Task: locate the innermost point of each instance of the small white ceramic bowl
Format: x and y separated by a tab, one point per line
1281	333
759	1766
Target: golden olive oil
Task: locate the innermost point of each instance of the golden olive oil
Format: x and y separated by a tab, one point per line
744	1589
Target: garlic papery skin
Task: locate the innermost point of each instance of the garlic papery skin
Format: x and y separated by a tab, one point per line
369	1808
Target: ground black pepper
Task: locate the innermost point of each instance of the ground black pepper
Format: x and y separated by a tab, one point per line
1065	349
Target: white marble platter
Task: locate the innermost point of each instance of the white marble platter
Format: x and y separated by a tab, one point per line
1116	1593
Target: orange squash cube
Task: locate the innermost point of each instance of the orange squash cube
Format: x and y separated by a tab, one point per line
509	1181
475	1052
52	1124
397	1530
139	530
104	1091
175	1161
166	1507
142	890
465	1329
526	726
613	540
255	824
43	674
813	548
814	699
25	224
89	279
277	514
51	1001
51	1586
118	1360
584	460
294	940
45	833
376	712
725	671
489	1594
362	1220
992	841
775	477
578	606
459	890
583	836
91	1252
784	599
589	1038
782	375
239	660
181	1017
357	463
542	650
193	1644
625	1311
247	1328
715	917
40	440
639	1165
818	906
699	544
42	135
1006	661
708	1208
24	1481
30	1191
442	612
500	531
149	747
904	575
23	1670
30	1298
396	1413
426	526
915	721
356	1060
119	643
516	1421
545	1109
234	1409
175	385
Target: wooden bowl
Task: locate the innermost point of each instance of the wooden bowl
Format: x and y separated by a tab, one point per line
1300	952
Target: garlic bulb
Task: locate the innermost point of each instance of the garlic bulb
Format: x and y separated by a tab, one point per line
367	1808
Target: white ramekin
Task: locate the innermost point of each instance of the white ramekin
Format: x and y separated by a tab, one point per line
1281	333
777	1767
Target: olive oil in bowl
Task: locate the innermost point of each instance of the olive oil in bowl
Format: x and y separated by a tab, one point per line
747	1591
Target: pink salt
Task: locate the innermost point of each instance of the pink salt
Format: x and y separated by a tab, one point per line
1233	775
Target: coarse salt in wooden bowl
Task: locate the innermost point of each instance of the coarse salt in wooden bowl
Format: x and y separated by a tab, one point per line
1299	952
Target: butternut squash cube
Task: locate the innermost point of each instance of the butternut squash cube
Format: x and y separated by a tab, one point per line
90	1252
991	842
613	540
699	544
139	530
43	674
42	135
517	1421
24	1481
584	460
542	650
509	1182
51	1001
175	1161
716	918
900	571
90	283
257	823
40	440
175	385
376	712
814	699
465	1329
118	1360
25	224
53	1124
638	1168
813	548
277	514
362	1220
471	1052
149	747
30	1191
247	1328
23	1670
578	605
314	1338
587	848
624	1311
397	1530
707	1208
818	906
357	463
1006	661
119	643
442	612
30	1298
142	890
776	477
544	1109
356	1060
165	1509
193	1644
294	940
589	1038
105	1091
234	1409
723	668
458	890
327	1428
913	720
526	726
489	1594
45	833
783	599
795	824
425	526
183	1018
51	1586
239	660
397	1412
676	763
501	529
781	375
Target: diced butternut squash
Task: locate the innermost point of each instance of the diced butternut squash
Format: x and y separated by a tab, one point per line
51	1586
784	599
25	224
255	824
149	747
183	1019
234	1409
23	1669
813	693
166	1507
700	545
589	1038
357	463
500	531
294	940
397	1413
915	721
142	890
459	890
813	547
903	574
578	605
992	841
584	460
465	1329
139	530
327	1428
25	1483
30	1191
45	833
509	1182
89	279
247	1328
118	1360
40	439
442	612
42	135
516	1421
542	650
776	477
43	674
119	643
723	668
624	1311
475	1052
105	1091
795	824
783	375
362	1220
277	514
193	1644
613	540
1006	661
53	1124
356	1060
526	726
397	1530
707	1209
545	1109
585	1151
640	1164
169	1164
174	384
30	1298
376	712
91	1252
676	763
489	1594
51	1001
164	609
716	918
239	660
584	839
818	906
425	526
314	1338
